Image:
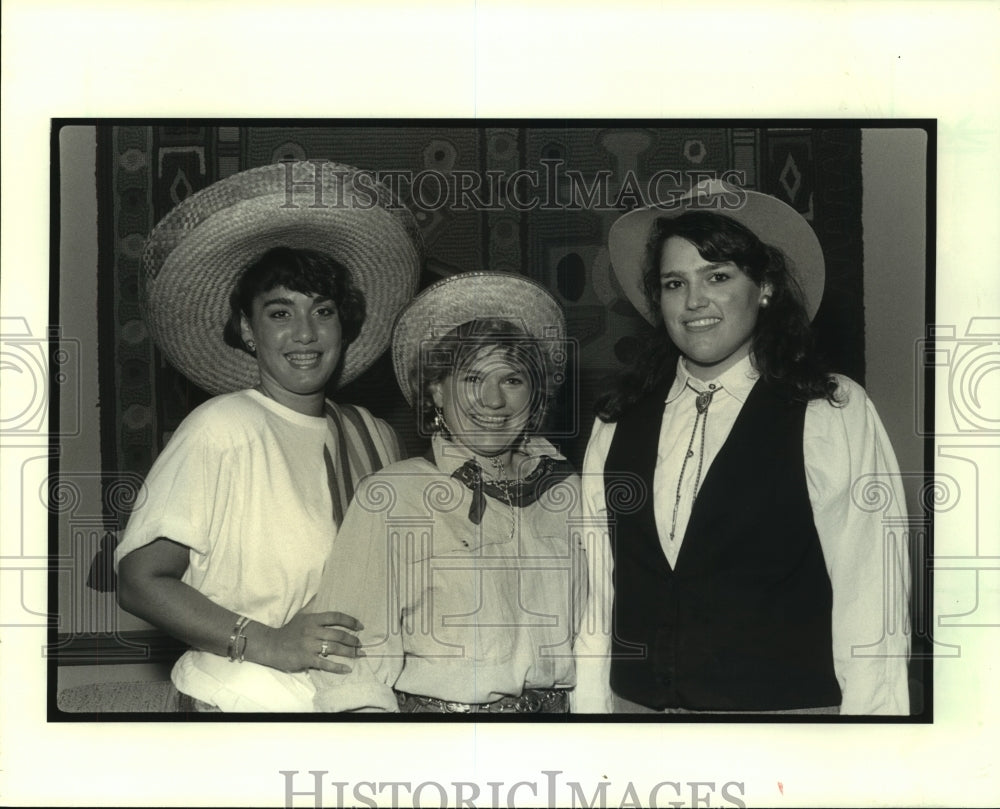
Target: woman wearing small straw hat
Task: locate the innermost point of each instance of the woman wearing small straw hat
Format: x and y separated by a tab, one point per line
465	566
268	303
745	576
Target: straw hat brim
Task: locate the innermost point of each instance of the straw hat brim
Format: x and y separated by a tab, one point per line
770	219
196	253
472	296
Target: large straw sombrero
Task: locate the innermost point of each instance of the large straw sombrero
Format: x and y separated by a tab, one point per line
771	220
473	296
195	254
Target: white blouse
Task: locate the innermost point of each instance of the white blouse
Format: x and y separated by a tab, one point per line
848	458
452	609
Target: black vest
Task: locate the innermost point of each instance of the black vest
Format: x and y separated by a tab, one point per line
744	622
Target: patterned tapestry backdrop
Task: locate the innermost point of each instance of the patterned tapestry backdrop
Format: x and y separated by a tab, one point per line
143	171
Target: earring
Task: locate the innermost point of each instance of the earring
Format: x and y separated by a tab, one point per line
252	346
440	425
765	302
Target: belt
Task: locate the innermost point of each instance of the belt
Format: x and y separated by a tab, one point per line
531	700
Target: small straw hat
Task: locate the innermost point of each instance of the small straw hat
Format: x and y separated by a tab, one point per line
473	296
194	256
771	220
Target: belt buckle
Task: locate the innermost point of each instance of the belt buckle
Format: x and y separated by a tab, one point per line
457	707
529	702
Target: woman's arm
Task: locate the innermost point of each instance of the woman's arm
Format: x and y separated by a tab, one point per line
860	515
362	577
150	586
592	649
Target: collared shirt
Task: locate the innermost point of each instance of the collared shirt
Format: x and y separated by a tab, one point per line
845	448
683	430
452	609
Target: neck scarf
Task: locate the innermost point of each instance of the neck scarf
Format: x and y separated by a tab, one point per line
523	491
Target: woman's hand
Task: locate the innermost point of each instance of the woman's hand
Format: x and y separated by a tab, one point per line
150	586
308	641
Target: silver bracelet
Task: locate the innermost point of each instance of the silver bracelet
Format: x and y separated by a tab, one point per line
238	640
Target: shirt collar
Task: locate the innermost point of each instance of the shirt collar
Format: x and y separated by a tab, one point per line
737	381
450	455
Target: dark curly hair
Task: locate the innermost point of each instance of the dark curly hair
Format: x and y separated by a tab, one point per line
782	346
460	346
300	270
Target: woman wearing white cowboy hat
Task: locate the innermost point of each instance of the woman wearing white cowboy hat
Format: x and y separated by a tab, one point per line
746	577
267	303
466	566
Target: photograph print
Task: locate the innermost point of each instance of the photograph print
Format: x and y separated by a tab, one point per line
510	420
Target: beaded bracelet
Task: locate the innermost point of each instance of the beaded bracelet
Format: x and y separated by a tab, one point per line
238	640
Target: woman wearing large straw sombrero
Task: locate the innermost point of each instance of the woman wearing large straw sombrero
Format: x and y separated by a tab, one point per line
466	566
745	576
267	301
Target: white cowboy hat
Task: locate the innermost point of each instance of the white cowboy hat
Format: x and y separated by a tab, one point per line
770	219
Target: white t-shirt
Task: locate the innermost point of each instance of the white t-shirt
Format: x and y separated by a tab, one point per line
243	484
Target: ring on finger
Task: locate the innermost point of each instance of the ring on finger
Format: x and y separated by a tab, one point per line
324	649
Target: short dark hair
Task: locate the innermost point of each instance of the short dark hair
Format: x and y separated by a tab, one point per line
462	344
300	270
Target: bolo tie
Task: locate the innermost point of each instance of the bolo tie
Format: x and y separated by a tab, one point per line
701	403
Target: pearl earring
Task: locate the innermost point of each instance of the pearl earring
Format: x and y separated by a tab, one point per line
252	346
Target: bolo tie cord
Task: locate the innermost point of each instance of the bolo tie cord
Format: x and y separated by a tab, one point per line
703	400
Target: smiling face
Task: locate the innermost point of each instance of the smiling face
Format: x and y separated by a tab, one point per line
298	346
486	402
709	308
